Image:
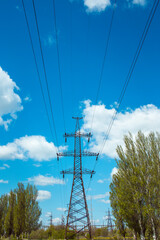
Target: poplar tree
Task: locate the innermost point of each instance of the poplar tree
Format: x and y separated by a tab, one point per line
33	211
3	212
19	211
8	224
135	189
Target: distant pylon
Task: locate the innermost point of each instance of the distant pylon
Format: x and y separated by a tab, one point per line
109	221
50	219
78	215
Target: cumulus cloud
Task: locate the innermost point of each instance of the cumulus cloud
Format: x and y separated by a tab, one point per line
48	214
29	147
4	167
95	221
43	195
103	180
37	165
10	102
41	180
100	181
114	171
105	201
61	209
49	40
27	99
99	196
56	220
3	181
141	118
139	2
96	5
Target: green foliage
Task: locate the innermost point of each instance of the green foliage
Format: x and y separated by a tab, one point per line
32	210
8	224
3	212
19	211
39	234
135	189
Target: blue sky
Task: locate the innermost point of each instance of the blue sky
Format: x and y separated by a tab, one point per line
27	149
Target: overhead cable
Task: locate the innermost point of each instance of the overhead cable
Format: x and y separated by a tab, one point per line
45	74
59	66
39	78
131	69
103	62
129	75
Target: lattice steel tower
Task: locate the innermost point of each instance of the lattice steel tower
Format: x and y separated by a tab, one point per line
109	221
78	215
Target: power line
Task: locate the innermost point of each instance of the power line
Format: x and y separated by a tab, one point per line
71	54
60	80
129	75
103	62
44	68
39	78
59	66
40	82
131	69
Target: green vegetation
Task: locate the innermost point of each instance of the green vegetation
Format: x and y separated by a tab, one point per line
58	232
19	212
135	189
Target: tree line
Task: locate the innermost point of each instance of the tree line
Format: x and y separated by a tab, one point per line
19	211
135	189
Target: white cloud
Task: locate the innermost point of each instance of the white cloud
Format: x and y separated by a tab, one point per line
99	196
41	180
48	214
6	165
56	220
139	2
61	209
29	147
96	5
141	118
49	40
95	221
3	181
114	171
103	180
43	195
10	102
27	99
105	201
37	165
100	181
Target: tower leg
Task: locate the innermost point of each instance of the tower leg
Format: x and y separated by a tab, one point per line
78	211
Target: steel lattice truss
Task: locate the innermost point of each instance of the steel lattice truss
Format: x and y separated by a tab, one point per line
109	221
78	216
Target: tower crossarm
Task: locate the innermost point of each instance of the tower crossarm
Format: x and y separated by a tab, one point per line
73	154
71	171
77	134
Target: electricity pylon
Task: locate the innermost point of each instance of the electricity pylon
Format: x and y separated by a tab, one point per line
78	215
50	219
109	221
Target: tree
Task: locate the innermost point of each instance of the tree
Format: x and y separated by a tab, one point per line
8	224
3	212
32	209
135	189
19	211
